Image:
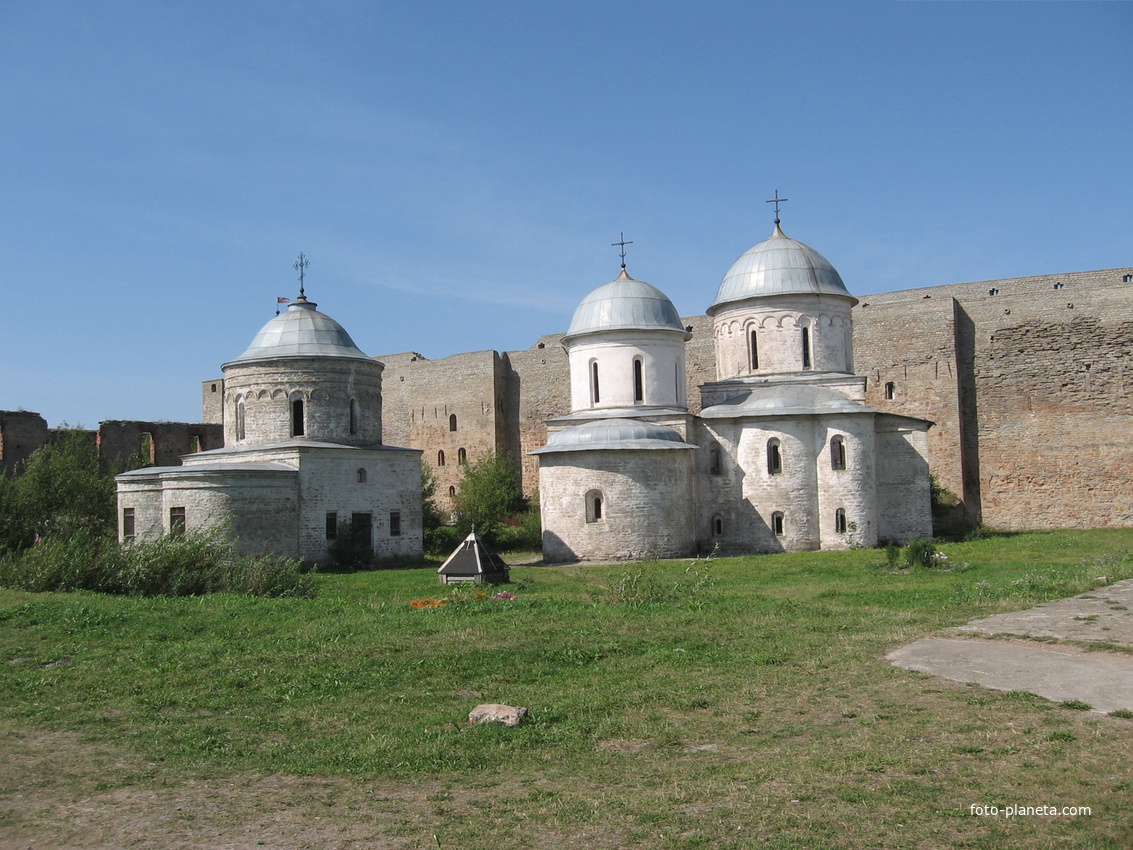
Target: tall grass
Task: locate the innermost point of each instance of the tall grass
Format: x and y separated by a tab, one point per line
173	565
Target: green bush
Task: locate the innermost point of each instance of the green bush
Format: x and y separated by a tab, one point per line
920	553
442	540
353	548
174	565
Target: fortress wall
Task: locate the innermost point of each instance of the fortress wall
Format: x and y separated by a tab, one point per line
1044	398
421	396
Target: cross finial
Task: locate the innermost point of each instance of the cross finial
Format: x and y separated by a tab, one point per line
623	244
776	201
301	264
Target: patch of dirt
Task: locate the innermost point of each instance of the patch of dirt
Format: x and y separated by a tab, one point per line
57	793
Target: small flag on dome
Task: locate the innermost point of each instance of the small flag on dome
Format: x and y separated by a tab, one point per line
282	300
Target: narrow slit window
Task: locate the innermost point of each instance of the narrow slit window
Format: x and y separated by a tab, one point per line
298	423
240	419
890	391
452	422
128	527
595	394
594	506
774	457
753	344
461	456
777	523
441	458
452	492
714	461
353	416
361	473
395	523
717	526
837	452
840	521
332	525
806	348
638	382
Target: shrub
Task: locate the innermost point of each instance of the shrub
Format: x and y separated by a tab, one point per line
487	495
174	565
920	553
353	547
440	541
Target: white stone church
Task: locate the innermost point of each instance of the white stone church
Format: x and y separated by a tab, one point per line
784	455
302	453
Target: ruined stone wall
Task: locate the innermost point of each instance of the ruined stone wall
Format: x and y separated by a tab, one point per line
160	443
21	433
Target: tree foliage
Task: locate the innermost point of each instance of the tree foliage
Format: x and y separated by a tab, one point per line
487	495
62	489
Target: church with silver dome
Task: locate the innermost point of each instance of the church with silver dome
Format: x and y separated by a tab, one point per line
302	454
784	454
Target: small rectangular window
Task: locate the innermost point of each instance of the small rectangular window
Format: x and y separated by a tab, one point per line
177	520
395	523
128	532
332	525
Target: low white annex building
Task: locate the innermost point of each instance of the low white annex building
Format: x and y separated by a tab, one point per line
302	453
784	455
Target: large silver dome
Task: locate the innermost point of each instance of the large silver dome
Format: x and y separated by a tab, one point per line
779	266
301	331
625	304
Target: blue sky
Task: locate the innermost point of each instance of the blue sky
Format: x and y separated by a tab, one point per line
456	171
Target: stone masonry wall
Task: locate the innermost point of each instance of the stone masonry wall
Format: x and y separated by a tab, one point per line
21	433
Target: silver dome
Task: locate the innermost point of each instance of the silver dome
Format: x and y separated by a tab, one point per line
625	304
301	331
789	400
779	266
614	434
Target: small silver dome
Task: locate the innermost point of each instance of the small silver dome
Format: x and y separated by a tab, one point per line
784	401
779	266
625	304
301	331
614	434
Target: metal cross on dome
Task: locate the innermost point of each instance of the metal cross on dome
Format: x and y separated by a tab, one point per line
301	264
776	201
623	244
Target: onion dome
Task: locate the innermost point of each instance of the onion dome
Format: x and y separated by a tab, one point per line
614	434
779	266
301	331
625	304
784	400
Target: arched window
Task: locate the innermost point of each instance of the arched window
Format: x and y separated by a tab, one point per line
451	492
452	422
717	526
806	348
240	418
461	456
753	351
714	460
298	423
353	416
774	457
595	395
361	475
777	523
890	391
840	521
594	506
837	452
441	458
638	381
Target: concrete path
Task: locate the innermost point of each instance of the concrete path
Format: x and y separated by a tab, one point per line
1103	678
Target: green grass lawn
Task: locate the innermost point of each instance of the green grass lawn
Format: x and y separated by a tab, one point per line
741	703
